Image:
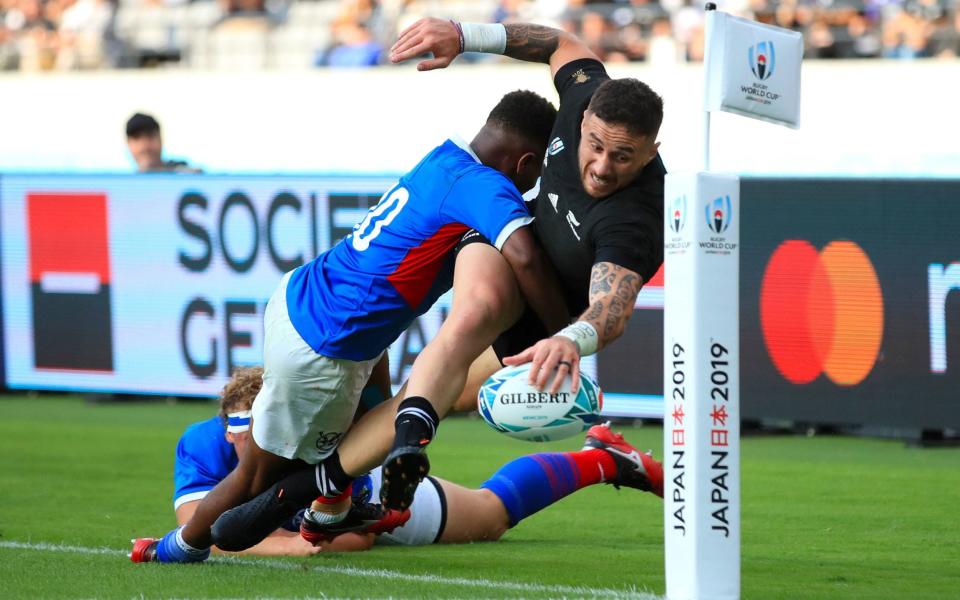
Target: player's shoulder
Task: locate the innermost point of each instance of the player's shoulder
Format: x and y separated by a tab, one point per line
203	435
578	79
453	161
453	154
473	176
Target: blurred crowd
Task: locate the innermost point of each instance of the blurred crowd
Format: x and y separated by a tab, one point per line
39	35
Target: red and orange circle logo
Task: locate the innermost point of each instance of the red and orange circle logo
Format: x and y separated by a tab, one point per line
821	312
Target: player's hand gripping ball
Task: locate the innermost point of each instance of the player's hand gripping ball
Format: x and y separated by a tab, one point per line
514	407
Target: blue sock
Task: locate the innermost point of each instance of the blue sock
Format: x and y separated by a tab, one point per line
172	549
531	483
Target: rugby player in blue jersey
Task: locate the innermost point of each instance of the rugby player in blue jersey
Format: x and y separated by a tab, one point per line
330	321
599	218
207	452
441	511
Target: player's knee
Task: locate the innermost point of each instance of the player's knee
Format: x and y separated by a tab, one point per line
496	531
228	534
496	516
488	309
221	537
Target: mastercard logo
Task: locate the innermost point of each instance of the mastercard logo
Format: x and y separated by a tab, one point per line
821	312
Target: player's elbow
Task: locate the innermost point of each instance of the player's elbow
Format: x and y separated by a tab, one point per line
569	48
567	41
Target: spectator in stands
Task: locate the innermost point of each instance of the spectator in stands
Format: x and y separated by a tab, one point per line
634	46
84	27
945	38
146	147
67	34
243	8
353	46
861	39
594	33
904	37
819	41
688	24
33	35
663	45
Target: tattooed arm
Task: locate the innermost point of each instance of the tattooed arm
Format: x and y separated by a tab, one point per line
536	43
613	292
524	41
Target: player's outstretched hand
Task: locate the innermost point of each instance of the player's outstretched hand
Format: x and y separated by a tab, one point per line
552	354
437	36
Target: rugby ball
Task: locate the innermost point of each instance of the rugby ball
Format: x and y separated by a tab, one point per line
514	407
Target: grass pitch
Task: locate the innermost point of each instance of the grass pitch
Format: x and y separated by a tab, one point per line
822	518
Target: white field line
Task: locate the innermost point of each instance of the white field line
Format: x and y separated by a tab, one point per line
488	584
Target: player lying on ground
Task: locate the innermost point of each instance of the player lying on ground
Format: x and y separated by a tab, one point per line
207	452
330	320
441	511
599	216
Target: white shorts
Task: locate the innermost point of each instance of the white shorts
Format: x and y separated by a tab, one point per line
307	401
428	514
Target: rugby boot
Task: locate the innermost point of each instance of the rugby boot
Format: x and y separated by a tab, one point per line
403	470
634	468
247	525
362	518
165	550
144	550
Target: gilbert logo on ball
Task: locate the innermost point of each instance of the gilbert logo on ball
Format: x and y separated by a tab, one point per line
514	407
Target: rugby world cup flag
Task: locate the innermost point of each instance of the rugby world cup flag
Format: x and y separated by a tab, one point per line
753	69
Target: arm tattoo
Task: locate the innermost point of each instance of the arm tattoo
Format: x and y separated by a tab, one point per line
613	291
533	43
594	312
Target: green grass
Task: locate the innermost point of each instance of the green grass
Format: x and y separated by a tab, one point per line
826	517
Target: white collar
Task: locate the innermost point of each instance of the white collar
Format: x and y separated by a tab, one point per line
456	139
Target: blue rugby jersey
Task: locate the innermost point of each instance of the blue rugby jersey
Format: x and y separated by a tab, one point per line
204	458
355	299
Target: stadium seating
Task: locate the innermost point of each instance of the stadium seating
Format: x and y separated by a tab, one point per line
206	34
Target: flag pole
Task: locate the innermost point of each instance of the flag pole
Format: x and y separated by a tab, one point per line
707	34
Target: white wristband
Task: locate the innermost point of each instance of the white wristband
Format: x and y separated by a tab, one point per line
583	335
484	37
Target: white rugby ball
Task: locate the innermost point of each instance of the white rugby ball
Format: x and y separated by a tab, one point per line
512	406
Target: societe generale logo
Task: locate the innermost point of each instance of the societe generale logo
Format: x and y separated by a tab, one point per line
762	59
821	312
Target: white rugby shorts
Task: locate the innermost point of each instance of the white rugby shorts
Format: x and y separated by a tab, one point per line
428	514
308	401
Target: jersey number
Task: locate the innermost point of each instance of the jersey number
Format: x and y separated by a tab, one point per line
379	217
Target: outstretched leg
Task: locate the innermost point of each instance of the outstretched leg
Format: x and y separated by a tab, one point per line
486	301
531	483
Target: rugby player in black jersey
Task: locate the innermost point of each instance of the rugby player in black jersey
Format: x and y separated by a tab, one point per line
599	203
599	217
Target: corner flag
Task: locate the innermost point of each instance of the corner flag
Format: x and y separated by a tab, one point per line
754	69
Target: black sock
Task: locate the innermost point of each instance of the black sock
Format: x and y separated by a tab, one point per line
416	422
326	479
331	479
